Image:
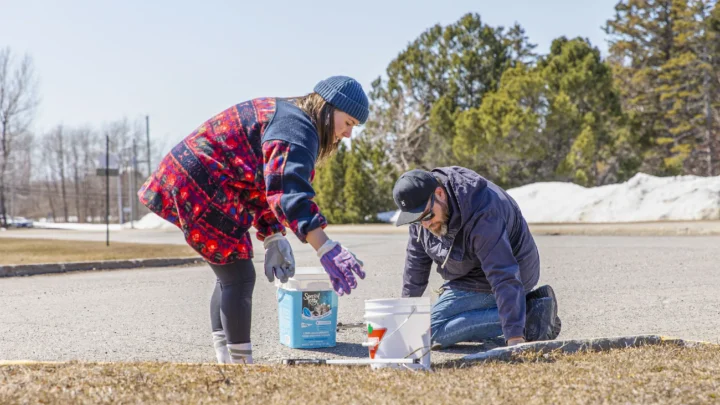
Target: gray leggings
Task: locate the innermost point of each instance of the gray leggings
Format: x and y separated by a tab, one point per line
231	302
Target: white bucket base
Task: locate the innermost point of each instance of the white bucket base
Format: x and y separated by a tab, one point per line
399	328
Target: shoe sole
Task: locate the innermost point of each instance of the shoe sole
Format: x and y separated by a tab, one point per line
538	322
547	291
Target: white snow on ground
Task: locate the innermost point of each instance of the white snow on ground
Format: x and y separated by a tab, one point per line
151	221
75	226
642	198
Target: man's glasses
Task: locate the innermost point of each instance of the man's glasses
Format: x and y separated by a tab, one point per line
430	215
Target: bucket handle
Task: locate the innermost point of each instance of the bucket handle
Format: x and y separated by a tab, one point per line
374	344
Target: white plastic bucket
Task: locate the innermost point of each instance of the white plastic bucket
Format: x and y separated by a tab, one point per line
399	328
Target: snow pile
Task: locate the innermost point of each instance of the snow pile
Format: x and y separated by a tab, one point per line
642	198
75	226
151	221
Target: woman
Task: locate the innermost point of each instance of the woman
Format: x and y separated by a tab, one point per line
252	165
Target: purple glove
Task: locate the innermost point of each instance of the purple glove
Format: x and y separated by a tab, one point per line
340	263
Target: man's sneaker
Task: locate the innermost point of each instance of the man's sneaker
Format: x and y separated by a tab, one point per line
546	292
539	319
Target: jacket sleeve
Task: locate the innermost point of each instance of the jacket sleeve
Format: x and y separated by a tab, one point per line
492	246
289	170
264	220
417	266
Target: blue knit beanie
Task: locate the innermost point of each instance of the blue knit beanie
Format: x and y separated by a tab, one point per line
345	94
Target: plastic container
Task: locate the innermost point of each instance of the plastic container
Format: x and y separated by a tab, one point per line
399	329
307	309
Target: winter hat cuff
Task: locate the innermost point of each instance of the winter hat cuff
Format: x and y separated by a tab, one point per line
345	94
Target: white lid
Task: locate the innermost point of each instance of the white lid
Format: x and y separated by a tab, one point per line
309	273
307	278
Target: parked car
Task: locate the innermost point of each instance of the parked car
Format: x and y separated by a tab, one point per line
19	222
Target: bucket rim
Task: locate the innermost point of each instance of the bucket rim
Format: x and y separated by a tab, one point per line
401	301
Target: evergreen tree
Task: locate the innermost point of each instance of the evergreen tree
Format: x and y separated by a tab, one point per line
329	183
359	191
553	121
665	56
446	70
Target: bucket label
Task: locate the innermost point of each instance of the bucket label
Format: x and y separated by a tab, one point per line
375	335
316	304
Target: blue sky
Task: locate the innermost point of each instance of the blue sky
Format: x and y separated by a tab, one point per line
180	62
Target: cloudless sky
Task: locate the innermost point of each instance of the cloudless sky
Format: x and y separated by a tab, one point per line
180	62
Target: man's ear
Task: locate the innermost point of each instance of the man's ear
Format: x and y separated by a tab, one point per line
440	194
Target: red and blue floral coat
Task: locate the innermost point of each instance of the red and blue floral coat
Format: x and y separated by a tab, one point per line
249	166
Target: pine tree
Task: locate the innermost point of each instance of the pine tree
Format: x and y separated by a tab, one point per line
681	92
553	121
329	183
358	192
445	71
500	138
574	68
665	56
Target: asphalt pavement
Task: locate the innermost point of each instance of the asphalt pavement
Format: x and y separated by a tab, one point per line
606	286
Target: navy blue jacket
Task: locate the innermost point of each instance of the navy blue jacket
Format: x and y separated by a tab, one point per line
489	245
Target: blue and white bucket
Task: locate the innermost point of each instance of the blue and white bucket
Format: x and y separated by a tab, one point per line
307	309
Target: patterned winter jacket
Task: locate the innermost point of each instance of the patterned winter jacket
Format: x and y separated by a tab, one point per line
250	165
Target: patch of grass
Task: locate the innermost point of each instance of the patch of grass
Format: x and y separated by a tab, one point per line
34	251
652	374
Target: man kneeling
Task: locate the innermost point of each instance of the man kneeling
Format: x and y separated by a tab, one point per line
476	234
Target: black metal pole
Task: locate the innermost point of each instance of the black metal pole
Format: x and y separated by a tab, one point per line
107	188
147	136
132	194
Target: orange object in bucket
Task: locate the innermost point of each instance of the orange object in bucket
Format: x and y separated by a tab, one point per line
399	328
375	335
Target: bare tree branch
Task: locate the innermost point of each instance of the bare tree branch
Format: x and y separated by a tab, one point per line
18	100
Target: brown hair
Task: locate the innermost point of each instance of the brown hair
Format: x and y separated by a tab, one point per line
322	115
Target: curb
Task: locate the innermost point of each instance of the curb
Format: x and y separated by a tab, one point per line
500	353
52	268
581	345
105	363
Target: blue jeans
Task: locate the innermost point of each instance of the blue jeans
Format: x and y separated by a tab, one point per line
464	316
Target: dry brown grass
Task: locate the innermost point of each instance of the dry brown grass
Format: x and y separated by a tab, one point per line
653	374
34	251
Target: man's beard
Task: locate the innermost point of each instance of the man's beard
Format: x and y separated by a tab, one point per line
442	229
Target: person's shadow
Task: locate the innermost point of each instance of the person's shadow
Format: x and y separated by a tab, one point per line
342	349
474	347
357	350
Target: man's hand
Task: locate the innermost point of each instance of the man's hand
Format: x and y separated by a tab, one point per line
515	341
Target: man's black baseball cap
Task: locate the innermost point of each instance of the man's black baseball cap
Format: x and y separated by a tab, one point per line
411	193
